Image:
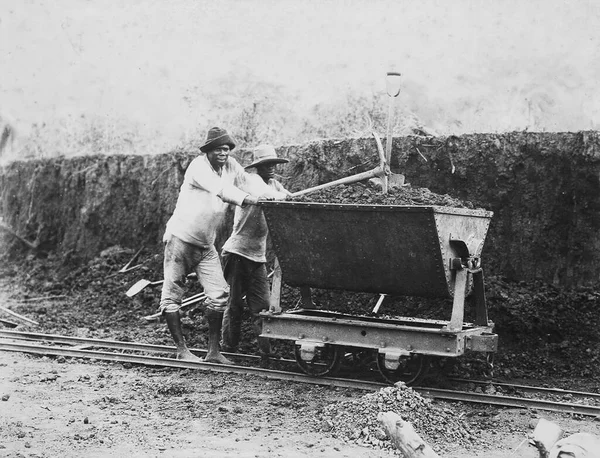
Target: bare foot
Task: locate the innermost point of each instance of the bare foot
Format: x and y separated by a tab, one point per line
187	355
216	357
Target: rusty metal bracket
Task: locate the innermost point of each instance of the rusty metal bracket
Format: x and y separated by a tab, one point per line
276	283
458	305
308	349
392	358
464	267
482	342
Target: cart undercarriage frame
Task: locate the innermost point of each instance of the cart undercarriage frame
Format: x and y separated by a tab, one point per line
425	251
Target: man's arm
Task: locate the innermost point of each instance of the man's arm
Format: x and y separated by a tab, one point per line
203	177
257	189
279	187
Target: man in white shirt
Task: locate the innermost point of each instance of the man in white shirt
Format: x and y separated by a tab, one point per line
212	181
244	256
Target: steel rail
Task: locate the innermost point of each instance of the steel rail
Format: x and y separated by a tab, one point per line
441	394
508	401
182	364
529	389
154	348
85	342
90	342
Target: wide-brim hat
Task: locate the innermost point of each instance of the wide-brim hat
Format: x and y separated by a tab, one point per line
217	137
265	154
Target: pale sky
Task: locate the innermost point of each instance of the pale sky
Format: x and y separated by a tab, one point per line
136	60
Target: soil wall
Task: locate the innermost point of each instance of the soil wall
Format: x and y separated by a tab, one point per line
544	190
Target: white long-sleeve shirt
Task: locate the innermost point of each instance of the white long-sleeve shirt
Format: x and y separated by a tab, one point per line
250	231
203	198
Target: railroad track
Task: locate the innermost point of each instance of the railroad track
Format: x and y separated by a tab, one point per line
140	353
534	390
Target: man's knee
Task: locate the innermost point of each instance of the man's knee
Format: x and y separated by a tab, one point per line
218	304
169	306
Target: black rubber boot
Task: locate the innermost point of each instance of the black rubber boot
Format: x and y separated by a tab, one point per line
231	329
264	344
173	320
215	320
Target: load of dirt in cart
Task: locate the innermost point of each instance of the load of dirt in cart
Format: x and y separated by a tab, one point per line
368	193
355	421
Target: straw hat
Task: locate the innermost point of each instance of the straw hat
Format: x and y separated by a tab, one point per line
265	154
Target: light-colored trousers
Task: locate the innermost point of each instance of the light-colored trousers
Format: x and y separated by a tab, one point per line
182	258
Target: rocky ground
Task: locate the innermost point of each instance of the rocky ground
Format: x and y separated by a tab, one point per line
55	406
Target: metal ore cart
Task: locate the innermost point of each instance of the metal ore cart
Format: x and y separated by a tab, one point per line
427	251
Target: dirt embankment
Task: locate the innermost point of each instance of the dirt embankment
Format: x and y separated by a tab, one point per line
544	190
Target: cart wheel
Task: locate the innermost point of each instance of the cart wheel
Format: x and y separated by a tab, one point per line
412	368
327	360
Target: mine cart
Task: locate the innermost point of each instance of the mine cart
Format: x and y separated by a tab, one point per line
395	250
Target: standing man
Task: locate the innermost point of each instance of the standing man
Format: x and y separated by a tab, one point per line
212	181
244	256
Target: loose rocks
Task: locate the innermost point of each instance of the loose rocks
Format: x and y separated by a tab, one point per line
356	421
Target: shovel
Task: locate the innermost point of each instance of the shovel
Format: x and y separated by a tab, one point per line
141	284
393	90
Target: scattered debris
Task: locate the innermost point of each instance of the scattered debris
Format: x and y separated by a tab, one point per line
356	421
16	315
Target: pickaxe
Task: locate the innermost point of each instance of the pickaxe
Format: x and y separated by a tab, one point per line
380	171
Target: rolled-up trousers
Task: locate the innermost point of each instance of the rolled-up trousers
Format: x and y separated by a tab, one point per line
182	258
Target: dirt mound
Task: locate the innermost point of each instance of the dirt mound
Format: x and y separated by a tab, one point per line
356	422
366	193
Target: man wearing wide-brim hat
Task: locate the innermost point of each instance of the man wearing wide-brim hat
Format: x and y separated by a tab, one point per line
211	182
244	256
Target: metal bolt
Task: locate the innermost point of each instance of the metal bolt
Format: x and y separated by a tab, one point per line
325	338
382	345
301	336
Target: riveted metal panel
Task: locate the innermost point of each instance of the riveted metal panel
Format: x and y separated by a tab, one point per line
470	226
389	249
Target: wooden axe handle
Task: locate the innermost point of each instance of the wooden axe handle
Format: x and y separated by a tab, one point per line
376	172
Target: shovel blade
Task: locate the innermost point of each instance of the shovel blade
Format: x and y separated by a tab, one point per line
140	285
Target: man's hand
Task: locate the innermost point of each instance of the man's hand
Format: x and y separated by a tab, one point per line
266	197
